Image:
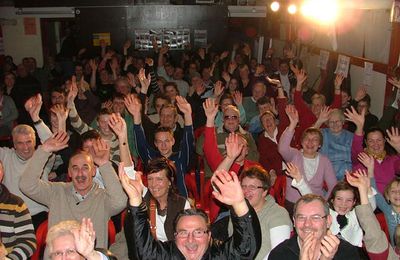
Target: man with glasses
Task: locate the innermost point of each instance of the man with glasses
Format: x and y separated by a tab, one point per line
192	236
313	240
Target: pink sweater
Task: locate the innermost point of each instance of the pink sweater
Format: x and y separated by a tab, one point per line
324	173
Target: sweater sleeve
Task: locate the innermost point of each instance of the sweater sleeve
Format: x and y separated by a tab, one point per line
43	131
116	195
25	240
146	152
30	182
76	121
288	153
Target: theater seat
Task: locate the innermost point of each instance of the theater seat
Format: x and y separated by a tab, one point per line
41	234
278	190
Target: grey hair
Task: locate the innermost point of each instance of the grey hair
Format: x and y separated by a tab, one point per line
63	228
337	112
310	198
23	129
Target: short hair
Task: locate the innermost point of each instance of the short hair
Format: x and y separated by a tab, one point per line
192	212
171	84
163	129
371	130
23	129
171	106
266	113
343	185
63	228
259	173
263	100
387	188
224	97
123	80
338	112
58	90
318	96
232	107
161	96
310	198
313	130
89	135
104	111
160	164
284	61
118	95
80	152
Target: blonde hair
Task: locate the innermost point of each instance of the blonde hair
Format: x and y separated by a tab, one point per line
64	228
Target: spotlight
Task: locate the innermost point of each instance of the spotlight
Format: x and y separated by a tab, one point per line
275	6
323	12
292	9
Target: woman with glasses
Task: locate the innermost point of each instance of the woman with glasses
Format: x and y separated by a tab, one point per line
337	141
317	168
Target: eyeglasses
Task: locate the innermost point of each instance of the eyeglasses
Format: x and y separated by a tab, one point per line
335	122
198	233
313	218
251	187
230	117
60	254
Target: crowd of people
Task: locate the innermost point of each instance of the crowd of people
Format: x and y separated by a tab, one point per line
194	154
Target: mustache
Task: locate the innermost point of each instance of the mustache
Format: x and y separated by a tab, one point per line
81	178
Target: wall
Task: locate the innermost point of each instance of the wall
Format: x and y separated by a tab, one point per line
19	45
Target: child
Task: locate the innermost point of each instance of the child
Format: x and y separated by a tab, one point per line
342	200
389	204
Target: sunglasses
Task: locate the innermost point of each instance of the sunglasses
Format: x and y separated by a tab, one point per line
230	117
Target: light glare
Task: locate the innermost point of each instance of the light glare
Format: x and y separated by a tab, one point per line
275	6
323	11
292	9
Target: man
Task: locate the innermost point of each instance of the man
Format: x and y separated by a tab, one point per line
164	140
192	236
81	197
312	220
74	241
274	220
17	233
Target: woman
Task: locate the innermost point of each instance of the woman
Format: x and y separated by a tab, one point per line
386	165
316	167
337	141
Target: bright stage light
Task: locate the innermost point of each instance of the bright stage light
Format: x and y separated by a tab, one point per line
292	9
323	11
275	6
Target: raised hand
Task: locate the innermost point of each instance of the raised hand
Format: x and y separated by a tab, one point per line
323	116
338	80
93	65
232	66
118	125
100	152
144	82
210	108
358	179
358	119
56	143
233	146
237	97
226	77
294	172
394	138
164	50
218	88
361	93
72	91
33	106
224	55
108	104
131	79
229	191
301	77
276	82
368	162
60	111
127	44
183	105
395	82
84	238
329	246
133	105
133	188
293	115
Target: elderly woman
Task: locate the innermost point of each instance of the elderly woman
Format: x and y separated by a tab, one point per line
71	240
317	168
337	141
373	143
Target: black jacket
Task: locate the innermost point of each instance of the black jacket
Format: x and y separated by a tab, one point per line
289	250
244	243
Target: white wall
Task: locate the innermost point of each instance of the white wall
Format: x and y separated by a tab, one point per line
19	45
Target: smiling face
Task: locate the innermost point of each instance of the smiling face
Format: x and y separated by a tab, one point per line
231	120
164	141
104	128
24	145
253	192
233	84
393	194
64	245
192	248
168	117
171	92
375	142
305	221
81	170
268	122
310	143
158	184
335	123
343	202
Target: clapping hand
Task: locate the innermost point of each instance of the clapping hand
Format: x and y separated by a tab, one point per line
329	246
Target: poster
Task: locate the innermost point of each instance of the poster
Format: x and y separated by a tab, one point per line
176	39
97	37
30	25
343	65
368	69
200	38
323	59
